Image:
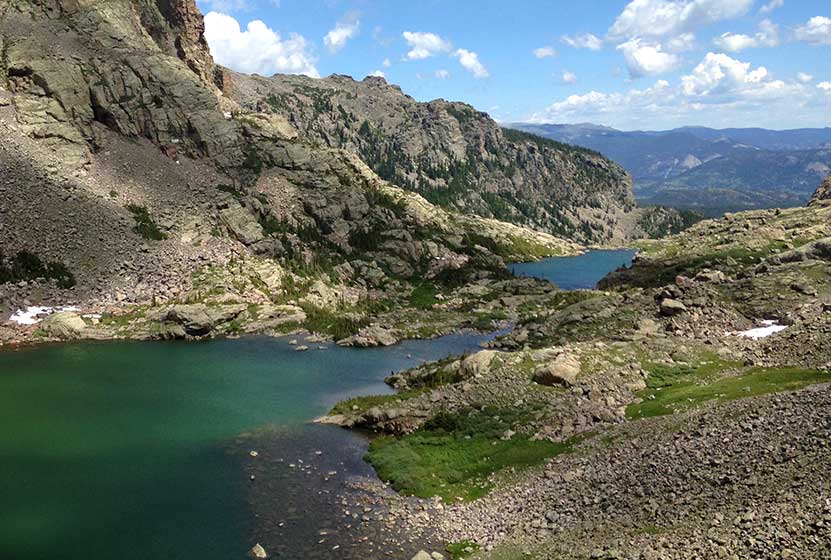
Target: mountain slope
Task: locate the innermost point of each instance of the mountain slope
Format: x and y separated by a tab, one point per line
452	154
132	181
752	168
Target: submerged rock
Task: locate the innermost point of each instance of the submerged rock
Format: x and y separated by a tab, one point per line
257	551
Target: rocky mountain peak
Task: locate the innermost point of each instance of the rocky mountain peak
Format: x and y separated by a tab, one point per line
823	193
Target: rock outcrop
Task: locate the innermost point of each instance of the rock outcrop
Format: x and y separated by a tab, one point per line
822	194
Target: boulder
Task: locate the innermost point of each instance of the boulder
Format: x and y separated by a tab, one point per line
371	336
562	371
64	324
671	307
477	364
257	551
823	193
241	224
422	555
198	319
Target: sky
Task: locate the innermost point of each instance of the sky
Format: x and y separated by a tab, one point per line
637	65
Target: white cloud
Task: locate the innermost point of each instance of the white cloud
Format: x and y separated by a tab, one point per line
804	78
569	77
386	63
344	30
665	18
583	41
258	49
817	31
545	52
378	74
424	45
645	59
825	86
681	43
442	74
718	73
771	6
768	36
719	90
470	61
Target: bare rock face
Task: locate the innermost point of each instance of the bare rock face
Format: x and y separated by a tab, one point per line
64	324
823	193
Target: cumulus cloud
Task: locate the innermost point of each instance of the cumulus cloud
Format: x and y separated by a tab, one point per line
583	41
771	6
344	30
425	45
719	73
225	6
470	61
665	18
825	86
387	63
718	89
804	78
545	52
378	74
768	36
816	31
442	74
681	43
569	77
644	59
258	49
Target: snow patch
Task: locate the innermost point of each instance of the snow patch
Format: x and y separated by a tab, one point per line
35	314
770	327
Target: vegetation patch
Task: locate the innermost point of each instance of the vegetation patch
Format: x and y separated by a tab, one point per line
28	266
359	405
685	391
145	226
461	549
423	296
454	454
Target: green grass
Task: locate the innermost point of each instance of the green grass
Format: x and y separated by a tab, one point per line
336	323
461	549
687	392
424	296
359	405
453	455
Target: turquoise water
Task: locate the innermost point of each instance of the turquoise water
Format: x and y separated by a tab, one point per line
140	450
582	272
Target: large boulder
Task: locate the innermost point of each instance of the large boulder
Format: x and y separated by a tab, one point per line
563	370
198	319
671	307
241	224
64	324
371	336
477	364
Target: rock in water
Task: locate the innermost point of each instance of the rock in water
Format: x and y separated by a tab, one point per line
257	551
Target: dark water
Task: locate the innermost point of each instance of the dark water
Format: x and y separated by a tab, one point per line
582	272
140	450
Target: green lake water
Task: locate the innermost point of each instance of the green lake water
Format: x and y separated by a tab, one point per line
139	451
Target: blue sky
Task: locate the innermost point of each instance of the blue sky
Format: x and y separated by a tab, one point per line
643	64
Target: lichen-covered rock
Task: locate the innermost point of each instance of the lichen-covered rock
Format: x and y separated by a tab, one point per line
64	325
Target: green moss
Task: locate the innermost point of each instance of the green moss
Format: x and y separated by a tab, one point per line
453	455
687	392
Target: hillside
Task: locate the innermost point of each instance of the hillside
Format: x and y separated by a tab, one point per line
453	155
684	167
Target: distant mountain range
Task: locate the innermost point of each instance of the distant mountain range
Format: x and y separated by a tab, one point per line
706	169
